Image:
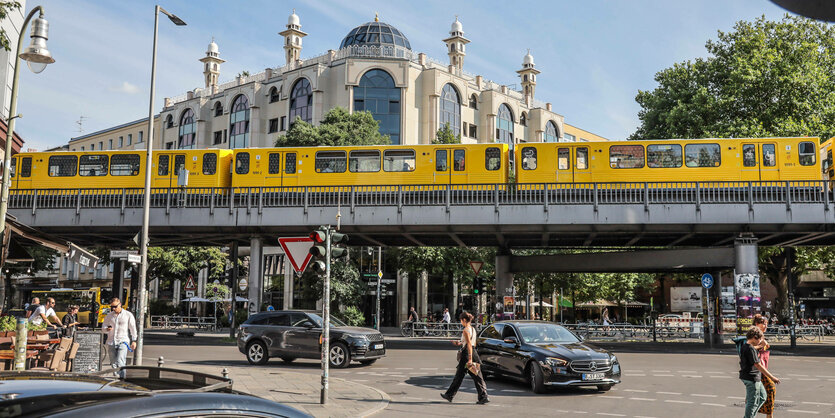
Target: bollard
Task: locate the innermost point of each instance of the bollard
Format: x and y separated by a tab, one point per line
160	361
20	344
225	373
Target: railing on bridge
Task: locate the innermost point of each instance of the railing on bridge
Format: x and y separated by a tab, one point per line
545	194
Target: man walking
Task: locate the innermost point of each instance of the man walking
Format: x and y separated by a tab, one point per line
446	320
751	371
120	327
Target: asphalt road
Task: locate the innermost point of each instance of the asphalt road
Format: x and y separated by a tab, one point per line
654	384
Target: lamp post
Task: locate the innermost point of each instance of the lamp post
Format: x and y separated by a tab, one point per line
37	57
146	208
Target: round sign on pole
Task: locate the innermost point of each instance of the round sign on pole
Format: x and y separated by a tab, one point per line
242	284
707	281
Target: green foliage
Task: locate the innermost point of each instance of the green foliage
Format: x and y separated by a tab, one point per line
5	8
177	263
240	316
217	292
763	79
161	307
8	323
352	316
346	287
338	128
450	263
446	136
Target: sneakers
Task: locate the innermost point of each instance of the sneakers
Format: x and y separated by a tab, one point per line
447	397
483	401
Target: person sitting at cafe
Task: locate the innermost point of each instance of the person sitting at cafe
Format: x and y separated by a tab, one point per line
46	313
70	321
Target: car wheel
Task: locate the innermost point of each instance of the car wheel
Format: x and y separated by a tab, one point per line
535	378
288	359
368	362
256	353
339	356
604	388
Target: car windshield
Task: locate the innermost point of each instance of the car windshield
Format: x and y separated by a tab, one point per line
335	322
546	333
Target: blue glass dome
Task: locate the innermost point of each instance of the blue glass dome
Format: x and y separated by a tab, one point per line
375	34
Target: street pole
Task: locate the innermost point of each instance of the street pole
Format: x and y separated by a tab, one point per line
792	313
379	283
559	305
146	206
233	277
326	310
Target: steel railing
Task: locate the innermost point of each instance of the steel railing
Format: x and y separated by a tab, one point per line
545	194
176	321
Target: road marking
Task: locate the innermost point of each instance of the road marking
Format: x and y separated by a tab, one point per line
511	390
715	372
818	403
429	368
807	379
662	375
668	393
799	411
660	371
675	401
399	368
721	377
642	399
735	397
833	377
690	375
610	415
799	375
680	371
610	397
635	375
635	390
713	404
701	395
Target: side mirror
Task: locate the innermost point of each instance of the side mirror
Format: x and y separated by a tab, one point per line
511	340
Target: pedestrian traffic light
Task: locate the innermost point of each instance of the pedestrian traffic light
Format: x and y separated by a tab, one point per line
475	285
319	250
339	248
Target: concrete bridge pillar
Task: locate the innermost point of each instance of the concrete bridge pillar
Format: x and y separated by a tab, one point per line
504	281
256	274
422	294
402	296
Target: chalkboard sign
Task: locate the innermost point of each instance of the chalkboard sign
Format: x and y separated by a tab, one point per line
89	355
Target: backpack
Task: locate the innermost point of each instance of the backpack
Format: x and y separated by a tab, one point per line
739	341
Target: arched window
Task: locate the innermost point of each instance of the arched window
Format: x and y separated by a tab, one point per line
551	133
504	125
274	95
523	119
218	109
474	102
301	101
239	123
378	94
451	109
187	128
169	122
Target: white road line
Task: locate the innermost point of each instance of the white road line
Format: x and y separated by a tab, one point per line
611	397
425	368
642	416
668	393
715	372
735	397
642	399
833	377
606	413
721	377
799	375
799	411
399	368
818	403
701	395
712	404
513	390
684	375
807	379
675	401
660	371
635	390
662	375
628	375
680	371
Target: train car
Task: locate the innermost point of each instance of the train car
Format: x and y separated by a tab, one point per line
758	159
118	169
827	170
371	165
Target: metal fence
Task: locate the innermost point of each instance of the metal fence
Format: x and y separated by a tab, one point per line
434	329
176	322
545	194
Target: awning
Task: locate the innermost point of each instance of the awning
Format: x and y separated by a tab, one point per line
19	234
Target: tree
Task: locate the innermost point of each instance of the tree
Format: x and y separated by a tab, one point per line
178	263
338	128
5	8
445	136
773	267
763	79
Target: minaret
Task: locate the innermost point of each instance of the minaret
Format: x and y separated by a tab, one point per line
528	74
455	45
293	38
211	65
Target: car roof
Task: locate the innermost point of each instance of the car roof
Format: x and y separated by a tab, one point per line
16	385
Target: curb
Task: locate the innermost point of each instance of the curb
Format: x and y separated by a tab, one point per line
381	405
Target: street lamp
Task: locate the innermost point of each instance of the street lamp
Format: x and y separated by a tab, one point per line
146	208
37	57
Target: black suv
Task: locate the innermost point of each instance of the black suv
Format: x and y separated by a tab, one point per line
296	334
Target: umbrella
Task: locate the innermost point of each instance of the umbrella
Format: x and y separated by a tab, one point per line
543	304
237	299
195	299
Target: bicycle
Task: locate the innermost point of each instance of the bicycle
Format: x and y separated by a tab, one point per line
407	329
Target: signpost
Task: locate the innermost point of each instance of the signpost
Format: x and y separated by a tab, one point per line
379	285
297	250
190	284
242	284
707	281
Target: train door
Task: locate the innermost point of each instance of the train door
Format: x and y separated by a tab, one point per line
769	169
564	172
168	169
450	166
282	169
750	163
23	177
582	171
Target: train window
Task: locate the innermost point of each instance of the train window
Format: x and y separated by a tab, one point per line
702	155
529	158
92	165
564	159
63	165
492	159
275	163
209	164
290	163
124	165
162	166
458	158
242	163
364	161
664	156
749	155
582	159
626	156
769	155
806	153
330	162
400	160
440	160
26	167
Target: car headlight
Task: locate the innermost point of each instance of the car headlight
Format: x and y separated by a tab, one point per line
555	361
359	339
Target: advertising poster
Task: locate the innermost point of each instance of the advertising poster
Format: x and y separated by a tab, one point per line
508	306
686	299
747	290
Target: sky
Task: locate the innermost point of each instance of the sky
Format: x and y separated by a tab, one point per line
594	55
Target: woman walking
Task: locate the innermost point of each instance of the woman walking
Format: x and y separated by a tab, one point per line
468	362
761	322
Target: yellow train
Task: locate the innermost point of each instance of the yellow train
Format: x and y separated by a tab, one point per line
754	159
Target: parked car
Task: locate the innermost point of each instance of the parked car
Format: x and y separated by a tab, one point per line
545	354
145	391
290	335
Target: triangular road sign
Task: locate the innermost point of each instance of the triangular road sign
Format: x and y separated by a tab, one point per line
190	284
476	265
298	251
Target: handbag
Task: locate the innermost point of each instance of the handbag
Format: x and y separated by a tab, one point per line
474	368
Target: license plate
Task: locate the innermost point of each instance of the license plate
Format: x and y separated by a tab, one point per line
378	346
593	376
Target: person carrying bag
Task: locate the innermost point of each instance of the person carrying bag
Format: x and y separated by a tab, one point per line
468	362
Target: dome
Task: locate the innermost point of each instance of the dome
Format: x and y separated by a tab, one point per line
456	26
293	19
528	59
375	34
212	48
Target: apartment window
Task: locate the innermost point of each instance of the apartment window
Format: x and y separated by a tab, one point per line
169	145
273	126
569	137
101	145
64	263
218	137
473	131
82	148
109	144
130	139
121	141
283	123
93	146
139	139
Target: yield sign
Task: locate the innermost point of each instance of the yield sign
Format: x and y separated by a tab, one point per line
476	265
298	251
190	284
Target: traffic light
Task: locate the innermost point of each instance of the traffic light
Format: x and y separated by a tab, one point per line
476	282
319	250
339	248
481	284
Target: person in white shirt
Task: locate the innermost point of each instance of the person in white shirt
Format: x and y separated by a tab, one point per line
120	328
446	320
45	313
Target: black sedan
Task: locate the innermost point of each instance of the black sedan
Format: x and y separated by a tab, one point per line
545	354
290	335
